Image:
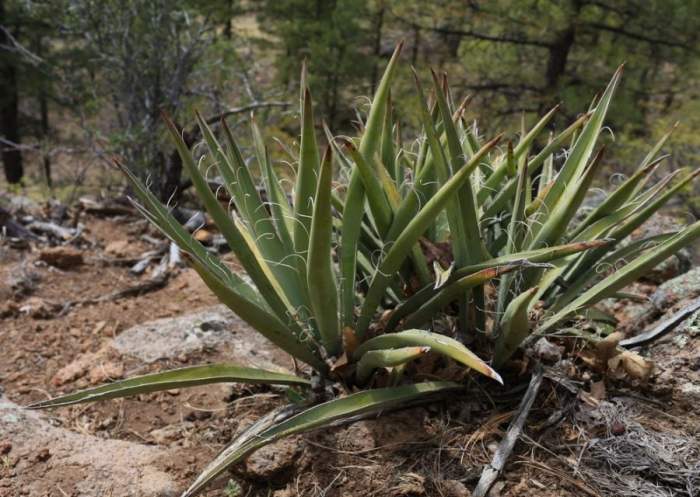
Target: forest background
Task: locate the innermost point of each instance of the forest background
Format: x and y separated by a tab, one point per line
85	81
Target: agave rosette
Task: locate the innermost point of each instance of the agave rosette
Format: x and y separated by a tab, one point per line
340	279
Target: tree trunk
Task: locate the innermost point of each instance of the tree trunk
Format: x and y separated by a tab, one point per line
416	46
46	157
44	118
228	29
377	46
172	171
170	187
9	110
558	54
559	51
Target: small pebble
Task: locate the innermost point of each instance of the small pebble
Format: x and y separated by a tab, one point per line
617	429
197	415
42	455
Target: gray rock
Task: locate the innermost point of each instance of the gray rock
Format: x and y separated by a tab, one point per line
683	287
547	351
691	391
691	326
274	459
672	267
687	330
212	328
44	456
85	466
631	315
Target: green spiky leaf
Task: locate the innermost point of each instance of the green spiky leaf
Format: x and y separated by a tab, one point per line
176	378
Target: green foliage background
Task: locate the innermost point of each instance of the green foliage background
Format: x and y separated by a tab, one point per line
515	59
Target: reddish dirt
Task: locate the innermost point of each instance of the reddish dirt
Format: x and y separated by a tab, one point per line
35	350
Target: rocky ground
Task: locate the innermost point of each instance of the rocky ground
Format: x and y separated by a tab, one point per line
589	434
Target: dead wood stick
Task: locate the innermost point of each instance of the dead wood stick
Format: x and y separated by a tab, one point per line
13	229
156	282
493	470
664	327
146	258
52	229
174	257
150	285
158	242
245	108
141	265
10	227
107	208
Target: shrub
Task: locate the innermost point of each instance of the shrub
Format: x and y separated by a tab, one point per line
341	278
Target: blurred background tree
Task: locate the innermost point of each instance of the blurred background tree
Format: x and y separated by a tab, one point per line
334	37
106	69
24	77
139	59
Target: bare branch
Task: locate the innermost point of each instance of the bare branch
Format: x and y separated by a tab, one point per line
245	108
20	49
641	37
474	34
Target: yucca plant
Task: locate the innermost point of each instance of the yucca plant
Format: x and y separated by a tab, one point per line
410	251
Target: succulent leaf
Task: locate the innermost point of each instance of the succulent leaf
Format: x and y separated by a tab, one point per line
176	378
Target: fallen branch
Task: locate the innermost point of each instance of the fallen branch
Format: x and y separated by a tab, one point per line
664	327
146	258
106	208
158	242
245	108
150	285
11	228
174	257
52	229
196	220
493	470
156	282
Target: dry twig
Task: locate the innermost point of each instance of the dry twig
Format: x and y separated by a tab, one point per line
493	470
